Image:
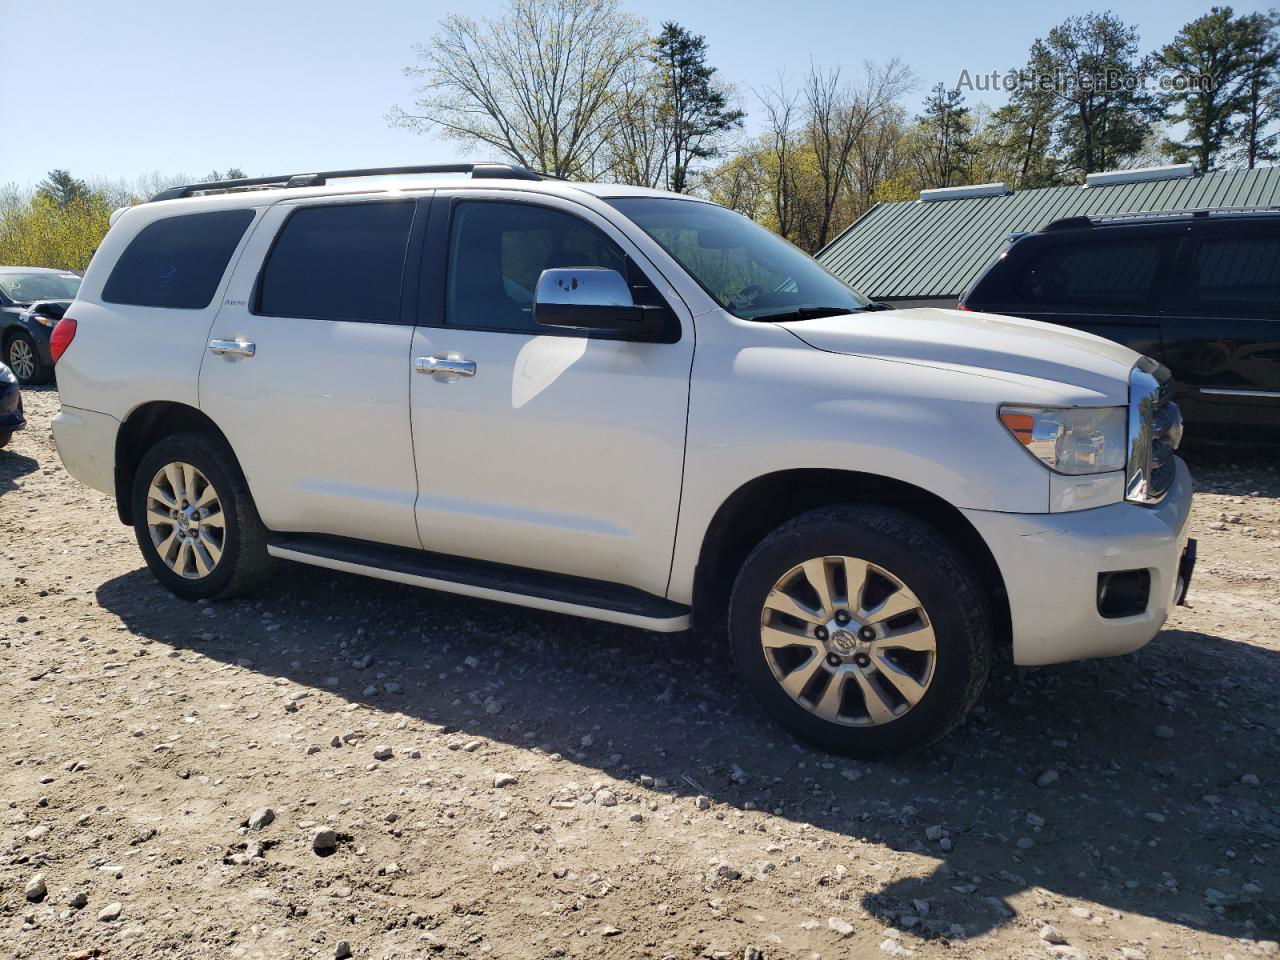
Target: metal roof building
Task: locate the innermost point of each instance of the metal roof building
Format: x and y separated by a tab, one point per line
928	251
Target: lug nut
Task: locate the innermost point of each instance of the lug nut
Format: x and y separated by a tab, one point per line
867	634
842	616
862	660
821	633
833	660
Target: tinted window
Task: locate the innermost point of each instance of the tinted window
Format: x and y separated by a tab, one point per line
1239	270
1096	274
177	262
338	263
497	251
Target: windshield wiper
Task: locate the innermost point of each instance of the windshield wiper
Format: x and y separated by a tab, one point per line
806	313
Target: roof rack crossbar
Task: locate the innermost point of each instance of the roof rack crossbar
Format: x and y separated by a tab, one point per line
1069	223
489	171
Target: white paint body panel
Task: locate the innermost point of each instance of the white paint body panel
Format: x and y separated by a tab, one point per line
609	460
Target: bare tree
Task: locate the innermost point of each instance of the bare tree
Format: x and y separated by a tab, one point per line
639	141
538	84
781	136
839	116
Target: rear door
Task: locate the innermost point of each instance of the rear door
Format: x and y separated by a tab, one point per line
308	367
1222	323
1103	280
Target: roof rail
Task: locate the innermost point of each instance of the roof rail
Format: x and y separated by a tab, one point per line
487	171
1073	223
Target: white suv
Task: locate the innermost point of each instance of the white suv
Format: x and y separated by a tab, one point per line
628	405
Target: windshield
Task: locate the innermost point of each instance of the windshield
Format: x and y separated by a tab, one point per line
752	272
26	287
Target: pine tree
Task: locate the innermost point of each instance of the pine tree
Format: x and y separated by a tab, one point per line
61	188
1261	93
1210	64
946	150
695	109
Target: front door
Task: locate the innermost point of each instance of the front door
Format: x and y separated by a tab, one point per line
309	366
544	448
1222	324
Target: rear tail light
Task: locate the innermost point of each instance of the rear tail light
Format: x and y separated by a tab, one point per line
61	337
961	306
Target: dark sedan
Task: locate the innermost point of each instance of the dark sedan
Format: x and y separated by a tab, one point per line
32	300
11	417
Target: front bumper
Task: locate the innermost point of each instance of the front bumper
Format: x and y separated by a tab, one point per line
1050	564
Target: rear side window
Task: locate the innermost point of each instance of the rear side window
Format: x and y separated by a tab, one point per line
177	262
341	262
1114	273
1238	270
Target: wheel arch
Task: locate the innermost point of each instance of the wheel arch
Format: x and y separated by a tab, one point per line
141	429
766	502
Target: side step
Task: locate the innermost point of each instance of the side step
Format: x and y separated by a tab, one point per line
538	589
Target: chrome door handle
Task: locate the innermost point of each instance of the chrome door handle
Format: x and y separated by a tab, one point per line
451	366
234	348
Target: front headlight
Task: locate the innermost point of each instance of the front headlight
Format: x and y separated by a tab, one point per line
1071	440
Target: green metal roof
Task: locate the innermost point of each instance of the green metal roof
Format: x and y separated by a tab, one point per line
933	249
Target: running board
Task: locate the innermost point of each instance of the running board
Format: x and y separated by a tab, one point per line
538	589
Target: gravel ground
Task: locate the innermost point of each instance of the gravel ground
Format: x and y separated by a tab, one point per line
340	764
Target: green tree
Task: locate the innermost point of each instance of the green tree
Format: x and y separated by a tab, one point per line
1208	67
944	147
232	173
695	108
1091	65
62	188
1255	139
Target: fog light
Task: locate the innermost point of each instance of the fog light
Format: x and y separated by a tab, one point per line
1123	593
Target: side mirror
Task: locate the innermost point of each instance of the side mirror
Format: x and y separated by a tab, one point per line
591	298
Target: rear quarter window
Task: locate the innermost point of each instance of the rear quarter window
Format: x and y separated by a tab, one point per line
1101	273
177	262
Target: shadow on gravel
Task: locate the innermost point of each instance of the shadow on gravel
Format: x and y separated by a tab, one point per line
12	466
1148	810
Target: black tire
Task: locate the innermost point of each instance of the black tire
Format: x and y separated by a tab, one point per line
40	372
5	438
243	562
926	563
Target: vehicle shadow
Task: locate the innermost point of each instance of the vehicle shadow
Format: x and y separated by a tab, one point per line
12	466
1147	810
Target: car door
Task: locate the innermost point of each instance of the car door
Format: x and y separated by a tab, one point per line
545	448
1102	280
308	367
1222	323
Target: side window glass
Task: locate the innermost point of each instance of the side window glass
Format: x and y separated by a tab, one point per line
338	262
1118	273
177	262
497	252
1244	270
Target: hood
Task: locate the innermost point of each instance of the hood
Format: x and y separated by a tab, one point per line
984	343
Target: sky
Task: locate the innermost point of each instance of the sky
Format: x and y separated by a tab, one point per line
122	90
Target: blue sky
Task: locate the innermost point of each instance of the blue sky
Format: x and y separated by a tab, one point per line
126	89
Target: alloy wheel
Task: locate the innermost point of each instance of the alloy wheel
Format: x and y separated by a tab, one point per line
185	520
848	641
22	359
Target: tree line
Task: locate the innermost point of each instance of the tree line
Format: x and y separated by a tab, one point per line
581	89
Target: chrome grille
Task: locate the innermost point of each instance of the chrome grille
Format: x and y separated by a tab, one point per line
1155	431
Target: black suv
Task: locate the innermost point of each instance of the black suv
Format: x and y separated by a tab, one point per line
1198	290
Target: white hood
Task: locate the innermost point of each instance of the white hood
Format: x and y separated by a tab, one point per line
980	342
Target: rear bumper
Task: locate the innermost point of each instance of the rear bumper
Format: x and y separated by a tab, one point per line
86	443
1050	564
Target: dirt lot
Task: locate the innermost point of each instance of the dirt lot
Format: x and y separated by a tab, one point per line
1114	809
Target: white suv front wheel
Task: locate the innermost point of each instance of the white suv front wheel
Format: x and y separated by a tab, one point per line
195	521
861	629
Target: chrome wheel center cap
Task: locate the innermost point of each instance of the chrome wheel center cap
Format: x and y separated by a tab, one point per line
844	641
